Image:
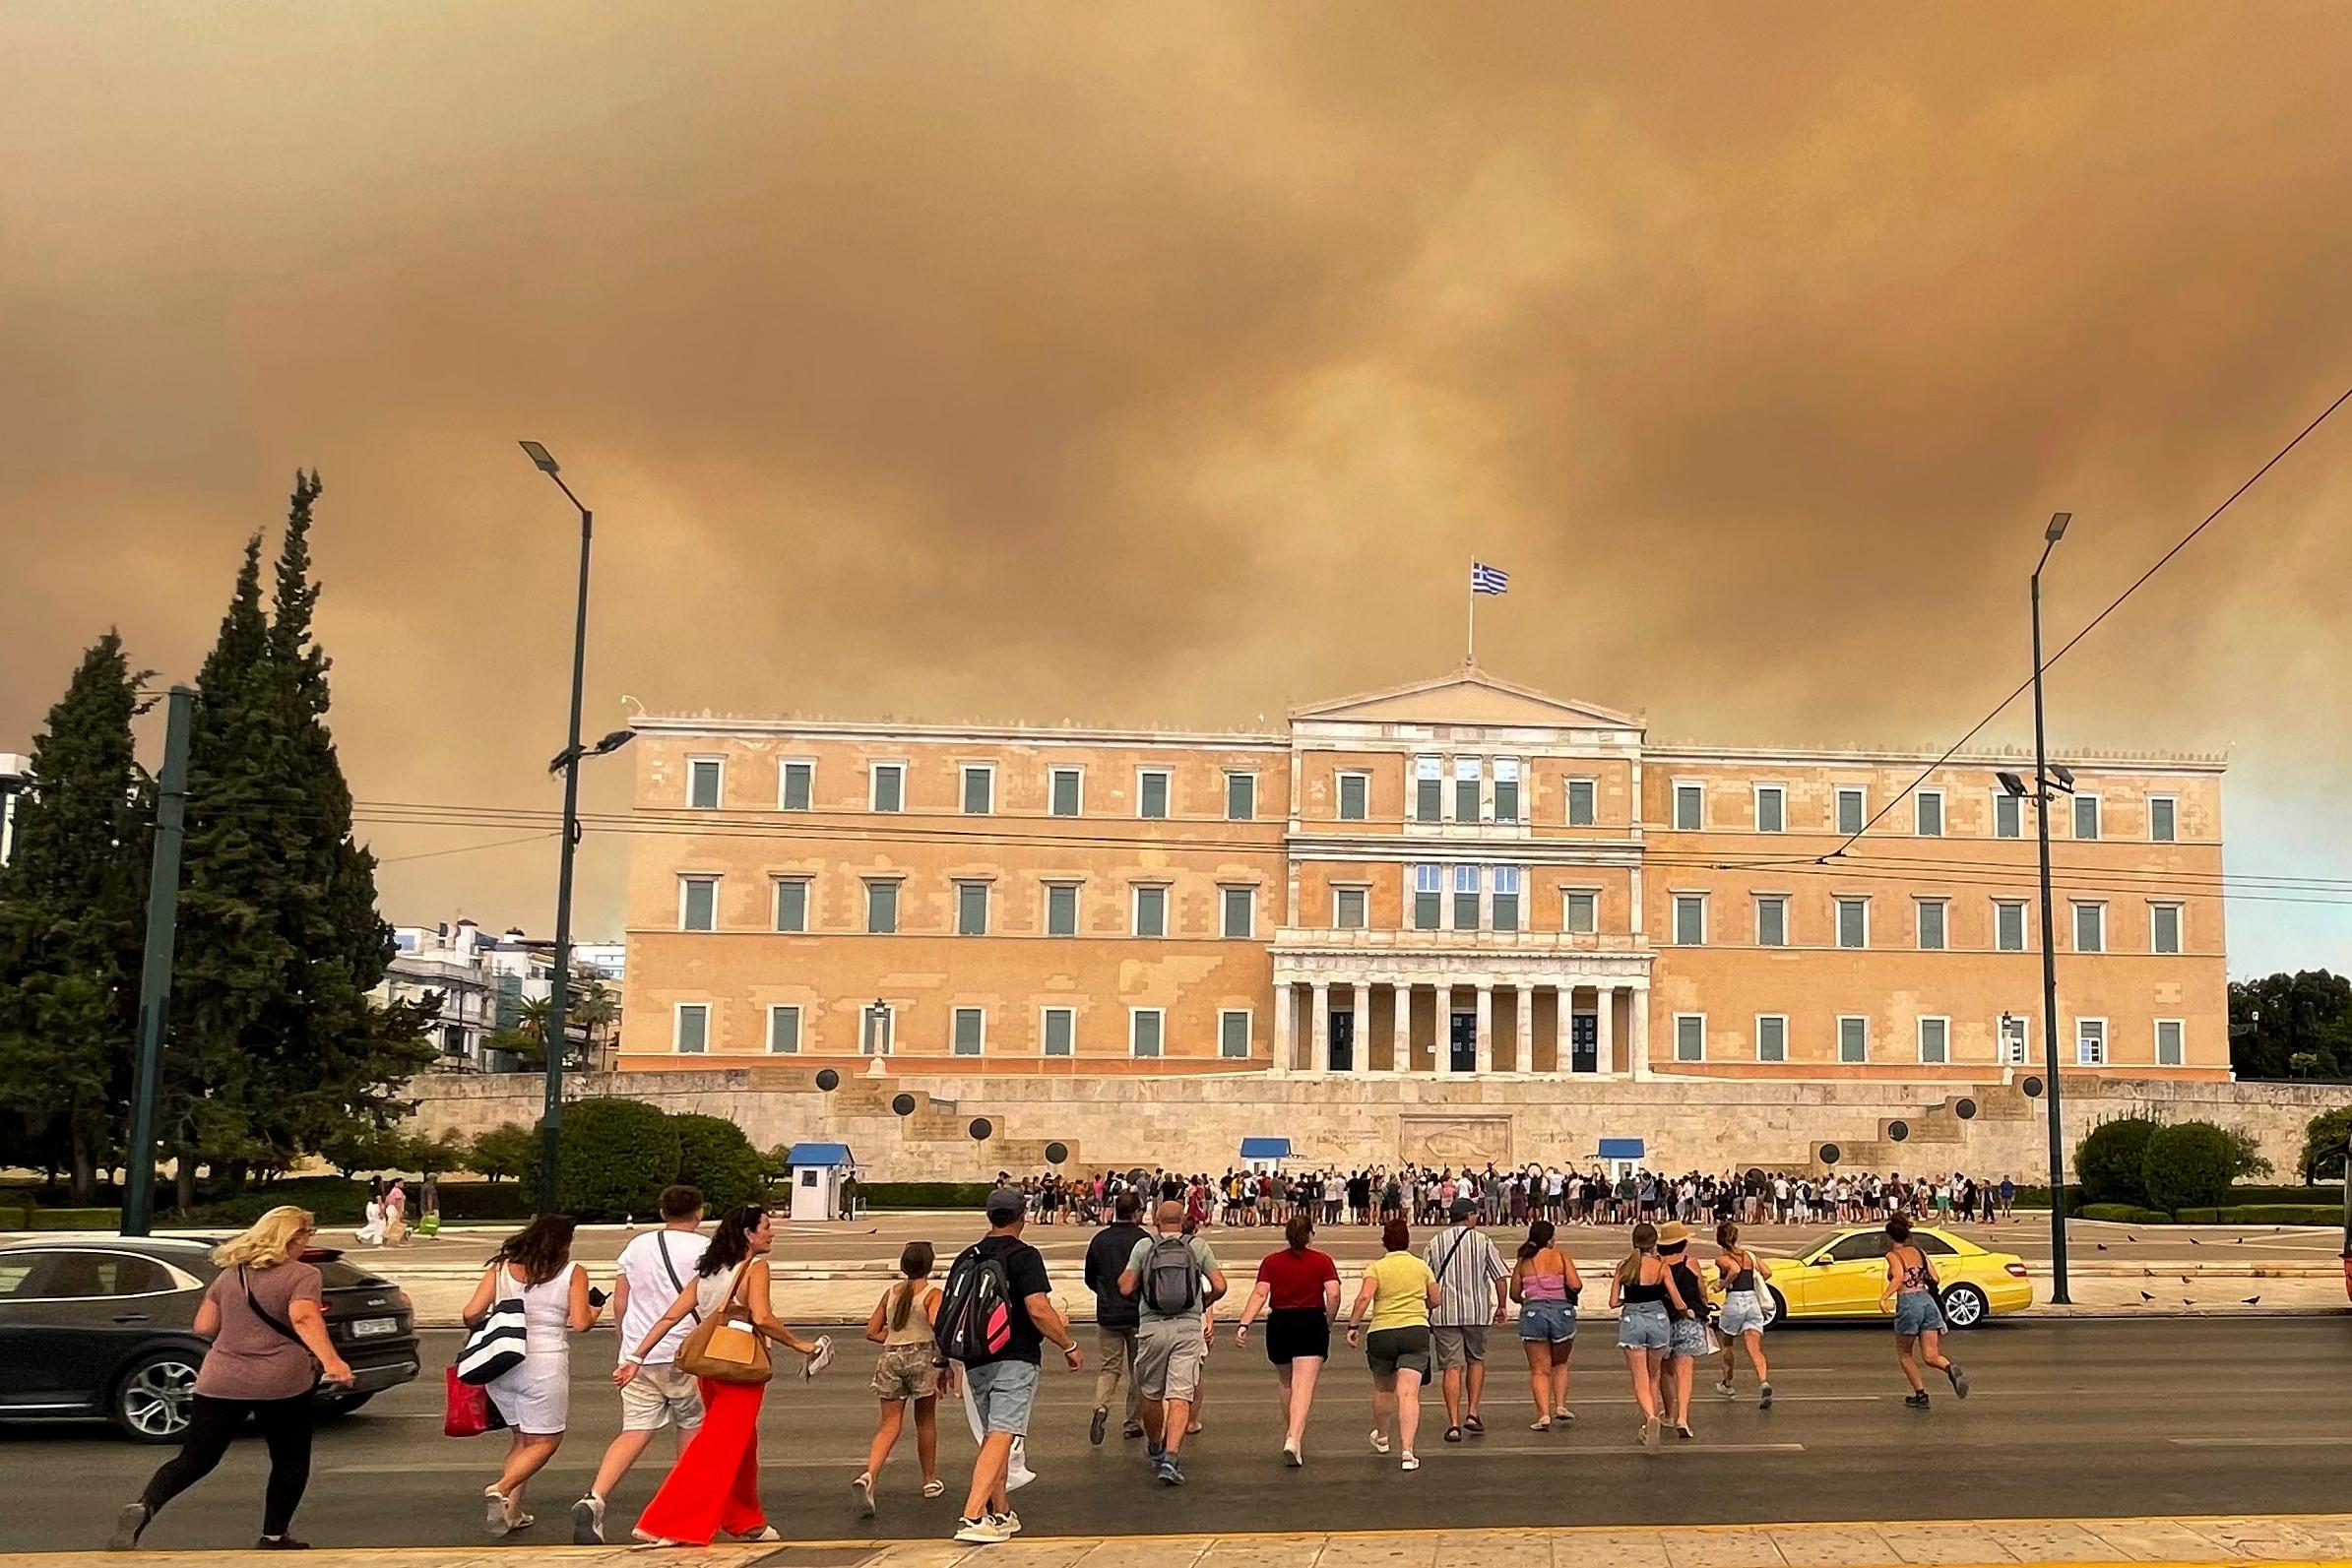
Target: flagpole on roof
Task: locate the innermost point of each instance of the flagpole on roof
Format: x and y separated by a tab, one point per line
1470	648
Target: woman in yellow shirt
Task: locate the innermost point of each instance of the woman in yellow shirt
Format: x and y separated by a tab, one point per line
1398	1292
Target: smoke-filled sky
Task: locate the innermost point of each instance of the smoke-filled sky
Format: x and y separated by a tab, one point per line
1150	363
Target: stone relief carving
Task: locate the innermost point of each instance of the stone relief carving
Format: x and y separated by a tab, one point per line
1454	1141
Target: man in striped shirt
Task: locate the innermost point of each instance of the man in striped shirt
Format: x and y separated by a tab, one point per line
1468	1269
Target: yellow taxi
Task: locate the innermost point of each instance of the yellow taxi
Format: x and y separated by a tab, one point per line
1842	1276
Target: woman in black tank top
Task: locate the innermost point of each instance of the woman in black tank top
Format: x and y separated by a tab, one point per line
1745	1305
1910	1293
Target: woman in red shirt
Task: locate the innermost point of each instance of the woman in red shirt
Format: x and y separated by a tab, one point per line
1302	1286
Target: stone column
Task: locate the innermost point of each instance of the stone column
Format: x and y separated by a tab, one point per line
1605	1033
1360	1008
1524	1017
1563	1059
1286	1007
1485	1028
1400	1030
1638	1042
1318	1030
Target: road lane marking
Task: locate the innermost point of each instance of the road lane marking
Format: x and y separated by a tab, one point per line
2329	1441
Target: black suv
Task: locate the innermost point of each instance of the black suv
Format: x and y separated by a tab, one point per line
105	1326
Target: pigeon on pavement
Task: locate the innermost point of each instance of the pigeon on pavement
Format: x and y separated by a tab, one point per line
2253	1300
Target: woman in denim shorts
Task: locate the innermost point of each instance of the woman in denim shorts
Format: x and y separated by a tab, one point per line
1687	1338
1639	1291
1918	1322
1745	1314
1544	1282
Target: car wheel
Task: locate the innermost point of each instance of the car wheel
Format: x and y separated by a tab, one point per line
1965	1306
1776	1306
337	1406
151	1403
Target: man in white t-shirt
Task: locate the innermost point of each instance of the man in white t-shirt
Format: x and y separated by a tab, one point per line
652	1269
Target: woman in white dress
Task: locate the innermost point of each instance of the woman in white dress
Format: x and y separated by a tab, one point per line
535	1264
372	1235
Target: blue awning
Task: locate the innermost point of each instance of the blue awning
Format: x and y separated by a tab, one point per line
1621	1149
1265	1149
818	1154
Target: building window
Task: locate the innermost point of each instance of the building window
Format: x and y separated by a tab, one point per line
1506	789
2009	815
1580	913
1057	1031
2091	927
791	904
1151	910
690	1028
2086	816
1931	925
1465	898
1690	920
1691	807
2009	925
1429	893
2016	1039
2090	1043
970	1032
1061	908
1346	909
1428	789
1151	792
1771	1037
1233	1035
1067	791
2164	928
784	1030
1145	1027
888	789
1241	913
1690	1037
1928	813
971	908
881	909
1506	898
704	776
1771	809
1853	1040
1467	778
1772	920
1240	797
2168	1042
980	790
1853	922
798	787
1935	1042
1354	793
1580	802
2163	818
697	903
1850	809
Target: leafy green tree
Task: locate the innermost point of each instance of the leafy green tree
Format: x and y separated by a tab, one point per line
528	1051
715	1157
2110	1159
2190	1164
435	1153
2323	1143
359	1147
614	1157
2292	1026
72	923
506	1150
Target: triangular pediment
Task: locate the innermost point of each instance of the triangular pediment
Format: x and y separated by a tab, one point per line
1469	696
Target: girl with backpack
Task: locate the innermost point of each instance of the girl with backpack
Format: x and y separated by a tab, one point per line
714	1486
910	1369
1910	1293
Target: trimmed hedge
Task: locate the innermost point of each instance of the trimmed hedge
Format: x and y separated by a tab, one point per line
2188	1164
471	1202
76	1220
2265	1213
2326	1192
966	1195
2126	1214
16	1218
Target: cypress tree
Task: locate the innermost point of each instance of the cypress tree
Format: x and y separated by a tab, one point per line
72	922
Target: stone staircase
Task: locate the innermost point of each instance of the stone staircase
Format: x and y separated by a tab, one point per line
941	1121
1936	1139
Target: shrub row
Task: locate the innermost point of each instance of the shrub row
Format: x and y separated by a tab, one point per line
2265	1213
2123	1214
969	1195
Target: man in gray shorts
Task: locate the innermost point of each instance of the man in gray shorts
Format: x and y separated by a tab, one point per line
1165	1275
1467	1267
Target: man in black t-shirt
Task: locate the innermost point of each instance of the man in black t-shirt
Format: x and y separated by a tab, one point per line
1004	1388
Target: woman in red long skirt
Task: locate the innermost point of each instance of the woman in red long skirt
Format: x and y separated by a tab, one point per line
714	1487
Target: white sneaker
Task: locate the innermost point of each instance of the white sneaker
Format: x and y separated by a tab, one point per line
981	1531
1379	1444
1009	1520
588	1521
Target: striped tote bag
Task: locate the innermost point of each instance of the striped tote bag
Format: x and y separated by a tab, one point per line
494	1349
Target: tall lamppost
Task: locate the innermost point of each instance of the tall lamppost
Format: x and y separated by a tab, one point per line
568	761
2048	782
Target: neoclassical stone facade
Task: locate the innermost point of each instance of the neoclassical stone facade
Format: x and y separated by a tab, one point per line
1458	880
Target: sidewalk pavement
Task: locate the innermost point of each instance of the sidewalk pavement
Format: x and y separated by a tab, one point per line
2310	1539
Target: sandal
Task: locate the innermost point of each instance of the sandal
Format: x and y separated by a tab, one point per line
1543	1426
934	1488
1474	1426
1453	1434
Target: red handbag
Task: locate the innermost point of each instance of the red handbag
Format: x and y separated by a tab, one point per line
466	1408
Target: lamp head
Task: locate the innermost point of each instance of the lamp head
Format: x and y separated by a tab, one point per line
612	742
2064	775
2053	533
540	458
2011	784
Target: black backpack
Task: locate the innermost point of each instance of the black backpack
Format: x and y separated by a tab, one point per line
1171	1277
976	1311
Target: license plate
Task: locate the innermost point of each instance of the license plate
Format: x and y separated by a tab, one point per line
374	1328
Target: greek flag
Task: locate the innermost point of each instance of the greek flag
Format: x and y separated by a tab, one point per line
1484	579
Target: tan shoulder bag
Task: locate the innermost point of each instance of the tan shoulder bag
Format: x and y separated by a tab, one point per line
727	1346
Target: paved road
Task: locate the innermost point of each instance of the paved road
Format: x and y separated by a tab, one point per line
2070	1420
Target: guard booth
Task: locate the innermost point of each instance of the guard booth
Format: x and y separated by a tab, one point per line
1264	1156
1618	1155
817	1172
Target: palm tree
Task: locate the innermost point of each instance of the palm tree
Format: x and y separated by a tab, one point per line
532	1014
595	1012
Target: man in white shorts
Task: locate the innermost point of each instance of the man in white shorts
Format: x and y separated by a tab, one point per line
652	1269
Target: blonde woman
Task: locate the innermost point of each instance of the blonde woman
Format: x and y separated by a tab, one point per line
270	1348
1640	1292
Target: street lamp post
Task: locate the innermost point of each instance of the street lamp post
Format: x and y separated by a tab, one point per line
2042	796
559	984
